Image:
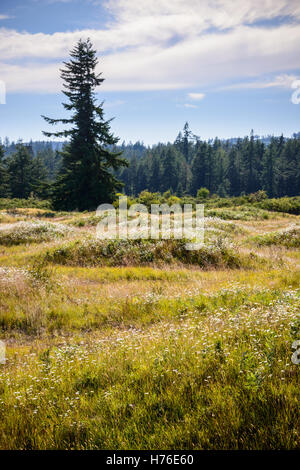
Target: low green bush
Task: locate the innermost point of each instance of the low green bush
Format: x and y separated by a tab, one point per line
6	203
289	238
239	213
32	232
290	205
92	252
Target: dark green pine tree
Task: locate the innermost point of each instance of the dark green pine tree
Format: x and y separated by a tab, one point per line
4	176
85	179
233	174
186	141
211	173
169	171
220	172
290	167
142	179
156	174
199	168
50	160
40	183
129	177
133	176
179	190
269	168
20	167
251	164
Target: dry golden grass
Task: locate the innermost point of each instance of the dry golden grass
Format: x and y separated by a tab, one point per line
168	357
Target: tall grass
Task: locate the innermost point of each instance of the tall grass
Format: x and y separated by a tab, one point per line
289	238
32	232
146	345
217	376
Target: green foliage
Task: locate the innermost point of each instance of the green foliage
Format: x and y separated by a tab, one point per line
285	204
225	168
40	274
289	238
251	206
246	169
80	221
27	174
202	373
91	252
258	196
203	193
6	203
4	175
85	178
161	347
240	213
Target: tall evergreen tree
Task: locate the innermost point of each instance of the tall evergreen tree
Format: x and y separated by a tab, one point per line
4	176
233	174
199	168
186	141
269	168
170	170
290	167
156	176
39	183
221	171
22	177
85	179
251	165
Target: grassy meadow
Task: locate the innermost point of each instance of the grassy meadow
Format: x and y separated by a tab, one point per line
144	345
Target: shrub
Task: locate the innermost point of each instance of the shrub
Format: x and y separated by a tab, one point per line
258	196
91	252
289	238
291	205
32	232
92	221
6	203
147	198
239	213
203	193
40	274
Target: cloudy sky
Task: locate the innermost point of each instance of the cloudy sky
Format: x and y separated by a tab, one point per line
225	66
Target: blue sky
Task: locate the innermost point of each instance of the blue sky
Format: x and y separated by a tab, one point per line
223	69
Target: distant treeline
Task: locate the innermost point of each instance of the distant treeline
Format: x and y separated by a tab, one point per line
24	174
226	168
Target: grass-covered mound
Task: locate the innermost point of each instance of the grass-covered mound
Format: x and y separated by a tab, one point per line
240	213
31	232
289	238
83	221
92	252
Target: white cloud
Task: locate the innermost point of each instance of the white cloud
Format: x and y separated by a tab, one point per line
280	81
5	17
219	13
164	44
113	104
189	105
196	96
